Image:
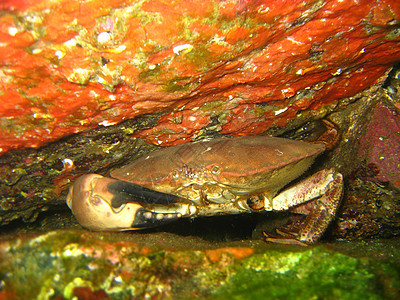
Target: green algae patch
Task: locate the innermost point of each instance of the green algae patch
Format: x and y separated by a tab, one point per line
315	273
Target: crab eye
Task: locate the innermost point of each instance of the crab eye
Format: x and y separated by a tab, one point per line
215	170
175	174
255	202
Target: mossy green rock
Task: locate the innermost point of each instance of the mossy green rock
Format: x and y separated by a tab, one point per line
316	273
76	264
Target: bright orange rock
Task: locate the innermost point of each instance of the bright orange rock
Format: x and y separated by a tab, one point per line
72	65
236	252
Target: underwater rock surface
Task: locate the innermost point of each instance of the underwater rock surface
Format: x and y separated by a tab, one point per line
129	75
80	264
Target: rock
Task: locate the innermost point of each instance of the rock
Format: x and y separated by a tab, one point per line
379	147
80	264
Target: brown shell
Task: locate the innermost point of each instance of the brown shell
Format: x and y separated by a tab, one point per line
246	164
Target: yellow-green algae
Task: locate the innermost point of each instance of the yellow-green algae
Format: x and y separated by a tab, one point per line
315	273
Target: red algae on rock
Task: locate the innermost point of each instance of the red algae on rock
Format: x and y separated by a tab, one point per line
71	65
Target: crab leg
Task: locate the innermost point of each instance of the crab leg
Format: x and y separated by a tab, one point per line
310	188
101	203
323	191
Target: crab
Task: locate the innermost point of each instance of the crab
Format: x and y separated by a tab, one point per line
213	177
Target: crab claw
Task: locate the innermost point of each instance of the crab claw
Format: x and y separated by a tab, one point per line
101	203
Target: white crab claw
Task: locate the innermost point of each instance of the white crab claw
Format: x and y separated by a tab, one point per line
91	203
